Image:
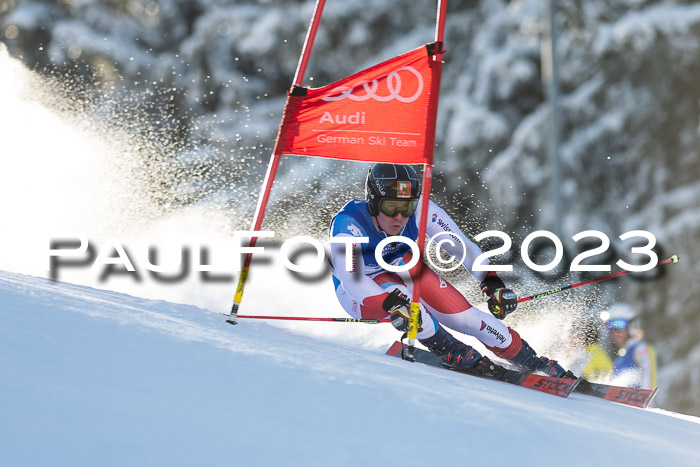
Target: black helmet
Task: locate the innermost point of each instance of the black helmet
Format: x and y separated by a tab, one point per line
392	188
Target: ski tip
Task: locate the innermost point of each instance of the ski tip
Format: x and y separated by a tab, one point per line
578	382
674	259
651	396
636	397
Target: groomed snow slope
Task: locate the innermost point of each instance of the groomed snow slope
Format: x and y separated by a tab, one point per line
92	377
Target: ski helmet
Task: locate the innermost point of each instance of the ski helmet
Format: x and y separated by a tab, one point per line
392	189
622	316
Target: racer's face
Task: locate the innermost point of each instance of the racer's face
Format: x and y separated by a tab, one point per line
392	225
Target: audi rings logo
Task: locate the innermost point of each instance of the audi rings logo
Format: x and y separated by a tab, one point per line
394	85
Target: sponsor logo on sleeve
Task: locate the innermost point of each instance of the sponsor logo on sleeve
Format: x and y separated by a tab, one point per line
443	224
354	230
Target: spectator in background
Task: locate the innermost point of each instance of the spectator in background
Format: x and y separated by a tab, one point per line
635	362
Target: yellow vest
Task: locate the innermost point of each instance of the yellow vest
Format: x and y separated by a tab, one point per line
599	365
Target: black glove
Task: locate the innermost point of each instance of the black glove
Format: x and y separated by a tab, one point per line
399	306
502	301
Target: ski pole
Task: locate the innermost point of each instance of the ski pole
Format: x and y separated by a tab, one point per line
311	318
672	259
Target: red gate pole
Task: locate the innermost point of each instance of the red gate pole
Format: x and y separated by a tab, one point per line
274	162
438	50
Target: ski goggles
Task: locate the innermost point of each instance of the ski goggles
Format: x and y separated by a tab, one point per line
618	323
392	207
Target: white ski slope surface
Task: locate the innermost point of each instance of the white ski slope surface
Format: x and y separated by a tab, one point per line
97	378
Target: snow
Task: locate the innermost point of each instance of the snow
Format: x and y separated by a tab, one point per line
111	168
93	377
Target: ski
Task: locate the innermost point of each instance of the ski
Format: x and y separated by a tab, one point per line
636	397
561	387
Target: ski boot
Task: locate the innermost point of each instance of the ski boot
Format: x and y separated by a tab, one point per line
460	355
527	359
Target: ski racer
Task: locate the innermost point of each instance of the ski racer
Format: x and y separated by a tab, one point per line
635	361
367	290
